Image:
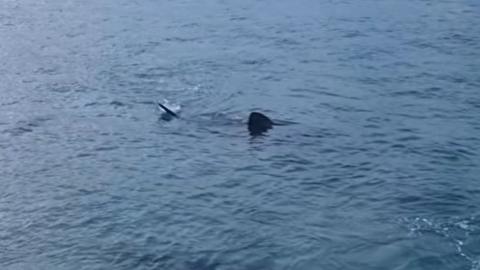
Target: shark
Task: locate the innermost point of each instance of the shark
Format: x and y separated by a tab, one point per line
258	123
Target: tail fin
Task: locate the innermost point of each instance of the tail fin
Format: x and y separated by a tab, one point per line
167	110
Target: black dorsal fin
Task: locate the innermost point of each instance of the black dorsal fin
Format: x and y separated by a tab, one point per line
258	123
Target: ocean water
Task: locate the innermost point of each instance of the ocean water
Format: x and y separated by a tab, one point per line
379	168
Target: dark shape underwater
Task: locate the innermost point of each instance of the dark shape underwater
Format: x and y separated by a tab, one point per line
258	123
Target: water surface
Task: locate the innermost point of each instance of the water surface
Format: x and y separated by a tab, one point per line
379	171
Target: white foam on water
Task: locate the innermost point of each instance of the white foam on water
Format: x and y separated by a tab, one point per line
457	232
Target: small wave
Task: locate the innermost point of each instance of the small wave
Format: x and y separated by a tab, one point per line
460	233
27	126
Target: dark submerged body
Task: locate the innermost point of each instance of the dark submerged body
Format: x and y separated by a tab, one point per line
258	123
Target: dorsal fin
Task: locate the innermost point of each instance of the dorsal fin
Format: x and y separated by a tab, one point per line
167	110
258	123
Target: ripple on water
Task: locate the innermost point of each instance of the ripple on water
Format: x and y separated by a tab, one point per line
454	234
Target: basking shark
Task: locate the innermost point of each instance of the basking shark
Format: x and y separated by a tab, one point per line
258	123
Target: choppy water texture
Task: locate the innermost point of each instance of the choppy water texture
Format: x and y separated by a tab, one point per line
380	170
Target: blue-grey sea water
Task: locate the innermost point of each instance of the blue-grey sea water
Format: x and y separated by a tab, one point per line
379	167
